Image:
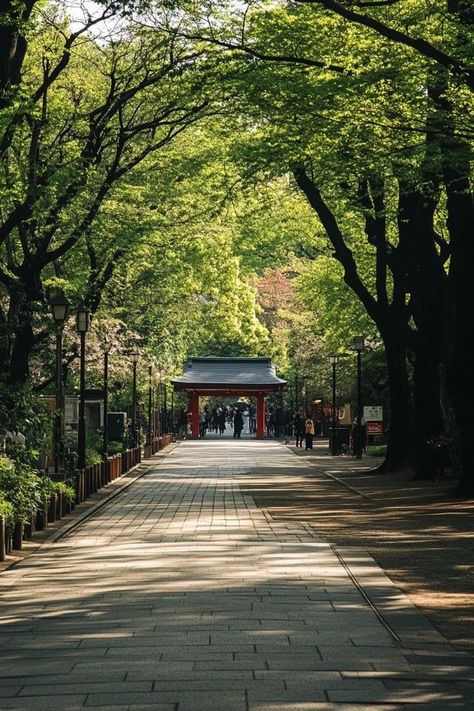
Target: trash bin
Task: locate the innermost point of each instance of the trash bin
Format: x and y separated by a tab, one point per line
343	435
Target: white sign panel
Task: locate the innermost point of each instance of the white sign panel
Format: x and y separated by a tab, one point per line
373	413
70	410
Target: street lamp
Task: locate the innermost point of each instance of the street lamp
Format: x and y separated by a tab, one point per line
82	325
60	305
107	347
134	356
296	394
333	359
172	413
165	408
150	392
358	344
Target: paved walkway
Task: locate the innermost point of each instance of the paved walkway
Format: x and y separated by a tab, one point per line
182	595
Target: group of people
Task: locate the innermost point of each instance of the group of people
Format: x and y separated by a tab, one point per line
219	417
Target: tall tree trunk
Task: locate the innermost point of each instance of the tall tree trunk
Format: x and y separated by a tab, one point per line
457	157
427	286
13	44
460	369
22	337
399	448
427	417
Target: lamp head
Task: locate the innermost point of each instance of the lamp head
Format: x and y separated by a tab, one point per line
83	319
334	359
358	343
60	305
134	356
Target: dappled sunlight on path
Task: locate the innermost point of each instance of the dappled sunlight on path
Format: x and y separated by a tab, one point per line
182	594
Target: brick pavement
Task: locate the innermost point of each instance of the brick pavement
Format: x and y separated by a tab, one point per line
182	595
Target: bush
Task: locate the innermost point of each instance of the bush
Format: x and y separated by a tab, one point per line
92	457
7	511
115	447
21	487
62	487
22	409
379	451
46	487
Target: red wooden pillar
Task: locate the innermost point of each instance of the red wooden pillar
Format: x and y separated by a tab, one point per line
194	397
260	415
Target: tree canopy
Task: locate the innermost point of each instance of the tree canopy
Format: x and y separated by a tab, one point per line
274	177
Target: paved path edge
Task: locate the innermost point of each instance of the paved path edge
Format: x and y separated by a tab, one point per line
109	492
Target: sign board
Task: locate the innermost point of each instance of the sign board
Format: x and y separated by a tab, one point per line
344	414
375	428
373	413
70	410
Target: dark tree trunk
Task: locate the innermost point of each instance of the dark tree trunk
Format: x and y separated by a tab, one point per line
456	158
427	416
20	335
428	288
399	448
460	369
13	44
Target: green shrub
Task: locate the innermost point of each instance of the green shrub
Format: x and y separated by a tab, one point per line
8	513
379	451
46	487
20	486
92	457
65	489
115	447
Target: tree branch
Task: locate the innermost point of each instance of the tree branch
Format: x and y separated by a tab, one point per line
341	251
425	48
280	58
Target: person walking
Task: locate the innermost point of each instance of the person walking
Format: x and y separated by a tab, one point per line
298	428
238	424
182	423
221	421
309	433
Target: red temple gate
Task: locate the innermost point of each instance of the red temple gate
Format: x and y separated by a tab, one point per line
212	377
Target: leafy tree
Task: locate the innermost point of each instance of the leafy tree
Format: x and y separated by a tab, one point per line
74	156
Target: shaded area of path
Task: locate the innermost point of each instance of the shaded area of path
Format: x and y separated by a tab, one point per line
182	594
416	531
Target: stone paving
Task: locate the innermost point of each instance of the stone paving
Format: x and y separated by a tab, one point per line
182	595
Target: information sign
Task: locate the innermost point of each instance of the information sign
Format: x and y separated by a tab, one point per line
373	413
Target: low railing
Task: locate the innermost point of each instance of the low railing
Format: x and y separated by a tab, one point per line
158	443
87	482
94	477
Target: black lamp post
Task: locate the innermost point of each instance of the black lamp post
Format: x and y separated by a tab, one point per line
134	355
150	392
333	359
172	412
60	309
106	406
165	409
82	325
358	344
296	394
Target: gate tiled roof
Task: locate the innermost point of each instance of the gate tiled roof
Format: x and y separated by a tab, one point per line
229	372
